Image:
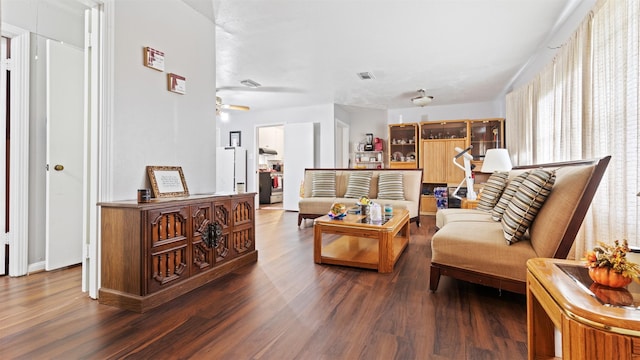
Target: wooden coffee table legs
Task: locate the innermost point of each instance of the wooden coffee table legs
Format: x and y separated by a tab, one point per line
369	247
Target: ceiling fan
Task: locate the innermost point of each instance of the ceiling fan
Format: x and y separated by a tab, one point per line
422	99
220	106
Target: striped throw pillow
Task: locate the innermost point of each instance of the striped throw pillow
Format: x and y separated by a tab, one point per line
323	184
359	184
507	195
491	190
390	186
525	204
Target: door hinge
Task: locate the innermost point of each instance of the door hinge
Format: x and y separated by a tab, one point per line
7	64
88	40
86	251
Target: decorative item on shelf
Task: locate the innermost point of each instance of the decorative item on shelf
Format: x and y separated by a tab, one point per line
608	265
398	156
144	195
369	145
167	181
377	144
411	156
338	211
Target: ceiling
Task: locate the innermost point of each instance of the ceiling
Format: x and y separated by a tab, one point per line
307	52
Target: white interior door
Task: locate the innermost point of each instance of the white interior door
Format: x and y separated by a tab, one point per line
4	238
224	170
65	155
298	147
341	144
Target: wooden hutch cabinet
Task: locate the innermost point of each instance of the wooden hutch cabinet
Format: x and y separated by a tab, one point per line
437	149
403	146
154	252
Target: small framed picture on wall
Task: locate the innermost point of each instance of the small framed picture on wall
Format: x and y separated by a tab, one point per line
177	84
234	138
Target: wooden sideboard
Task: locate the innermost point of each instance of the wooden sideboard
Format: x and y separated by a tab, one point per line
559	296
154	252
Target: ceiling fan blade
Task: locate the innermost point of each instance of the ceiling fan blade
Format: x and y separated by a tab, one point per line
276	89
235	107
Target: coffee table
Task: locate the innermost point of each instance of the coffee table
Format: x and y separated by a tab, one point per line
361	243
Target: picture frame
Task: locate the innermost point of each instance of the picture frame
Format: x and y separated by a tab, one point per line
167	181
153	59
235	138
177	83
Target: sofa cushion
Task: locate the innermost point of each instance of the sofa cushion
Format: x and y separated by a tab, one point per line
507	195
446	216
553	218
318	205
359	183
491	190
390	186
525	204
323	184
479	246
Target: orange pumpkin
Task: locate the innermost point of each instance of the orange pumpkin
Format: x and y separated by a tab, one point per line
608	277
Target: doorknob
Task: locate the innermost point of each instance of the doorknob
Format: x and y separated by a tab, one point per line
58	167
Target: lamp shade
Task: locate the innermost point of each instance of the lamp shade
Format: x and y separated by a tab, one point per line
496	160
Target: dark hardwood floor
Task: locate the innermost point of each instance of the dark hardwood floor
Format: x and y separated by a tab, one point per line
283	307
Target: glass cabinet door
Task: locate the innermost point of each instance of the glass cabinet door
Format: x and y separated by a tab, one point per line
403	146
486	134
437	130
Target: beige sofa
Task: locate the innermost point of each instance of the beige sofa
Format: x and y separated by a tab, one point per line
313	207
470	246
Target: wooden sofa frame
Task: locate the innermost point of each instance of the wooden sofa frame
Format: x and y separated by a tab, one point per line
563	249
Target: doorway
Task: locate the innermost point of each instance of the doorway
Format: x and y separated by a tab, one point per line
28	165
270	167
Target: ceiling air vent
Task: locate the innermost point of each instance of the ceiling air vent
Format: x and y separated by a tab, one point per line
366	76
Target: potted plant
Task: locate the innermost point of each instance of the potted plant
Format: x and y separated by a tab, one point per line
608	265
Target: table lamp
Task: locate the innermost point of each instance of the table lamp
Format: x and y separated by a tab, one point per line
496	160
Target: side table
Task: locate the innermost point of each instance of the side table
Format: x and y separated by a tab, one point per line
560	295
469	204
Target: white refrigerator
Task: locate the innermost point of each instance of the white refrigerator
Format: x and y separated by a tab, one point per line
231	169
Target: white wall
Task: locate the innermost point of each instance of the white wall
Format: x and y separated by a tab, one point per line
247	122
364	121
548	50
152	126
478	110
51	19
271	137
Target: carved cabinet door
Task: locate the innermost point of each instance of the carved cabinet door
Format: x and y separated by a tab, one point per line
167	241
222	219
203	237
243	234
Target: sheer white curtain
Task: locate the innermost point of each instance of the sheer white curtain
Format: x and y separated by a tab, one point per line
614	119
585	105
520	131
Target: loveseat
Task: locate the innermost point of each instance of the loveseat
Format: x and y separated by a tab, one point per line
471	245
322	187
